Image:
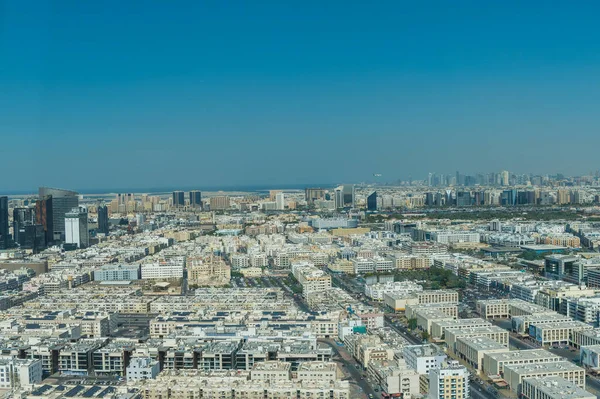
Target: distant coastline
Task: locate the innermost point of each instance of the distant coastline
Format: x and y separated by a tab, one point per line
257	188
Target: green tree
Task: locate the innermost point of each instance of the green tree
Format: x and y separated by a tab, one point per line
412	323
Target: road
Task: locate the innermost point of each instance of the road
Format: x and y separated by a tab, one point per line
475	388
350	367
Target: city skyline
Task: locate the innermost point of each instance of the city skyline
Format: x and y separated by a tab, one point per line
276	90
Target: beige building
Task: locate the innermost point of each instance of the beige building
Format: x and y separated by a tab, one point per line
271	371
552	388
451	381
559	333
219	203
473	349
493	363
438	327
210	271
496	333
515	373
311	278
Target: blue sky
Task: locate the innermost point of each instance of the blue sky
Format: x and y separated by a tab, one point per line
149	94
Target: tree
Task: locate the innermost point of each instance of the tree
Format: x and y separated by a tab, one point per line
425	335
412	323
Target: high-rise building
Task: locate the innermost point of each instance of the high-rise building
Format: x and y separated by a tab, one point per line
505	178
219	203
313	194
280	201
44	217
26	232
76	227
4	235
21	218
62	202
178	198
103	219
451	381
196	199
372	201
463	198
348	190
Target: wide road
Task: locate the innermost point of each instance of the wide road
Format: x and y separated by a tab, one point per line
350	366
476	389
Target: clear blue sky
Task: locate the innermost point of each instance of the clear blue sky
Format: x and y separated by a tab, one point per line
145	94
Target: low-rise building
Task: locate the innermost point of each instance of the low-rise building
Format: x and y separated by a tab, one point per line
514	374
493	363
473	349
552	388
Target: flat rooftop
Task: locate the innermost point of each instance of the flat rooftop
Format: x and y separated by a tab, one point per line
558	387
554	367
481	343
526	354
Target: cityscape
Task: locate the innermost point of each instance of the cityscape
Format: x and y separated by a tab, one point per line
299	200
355	290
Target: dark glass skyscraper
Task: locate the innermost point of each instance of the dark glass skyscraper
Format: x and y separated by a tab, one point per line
21	218
372	202
43	217
4	236
103	219
178	198
195	199
62	202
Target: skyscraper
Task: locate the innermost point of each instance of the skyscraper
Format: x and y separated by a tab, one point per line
348	190
372	201
76	227
195	199
43	217
62	202
280	201
178	198
103	219
313	194
4	237
21	218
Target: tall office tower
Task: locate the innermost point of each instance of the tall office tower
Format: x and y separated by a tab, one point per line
451	381
429	199
280	201
348	195
62	202
338	197
430	179
449	201
313	194
178	198
273	194
463	198
439	199
505	178
219	203
103	219
4	236
44	217
196	199
562	196
478	198
21	218
76	227
372	201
